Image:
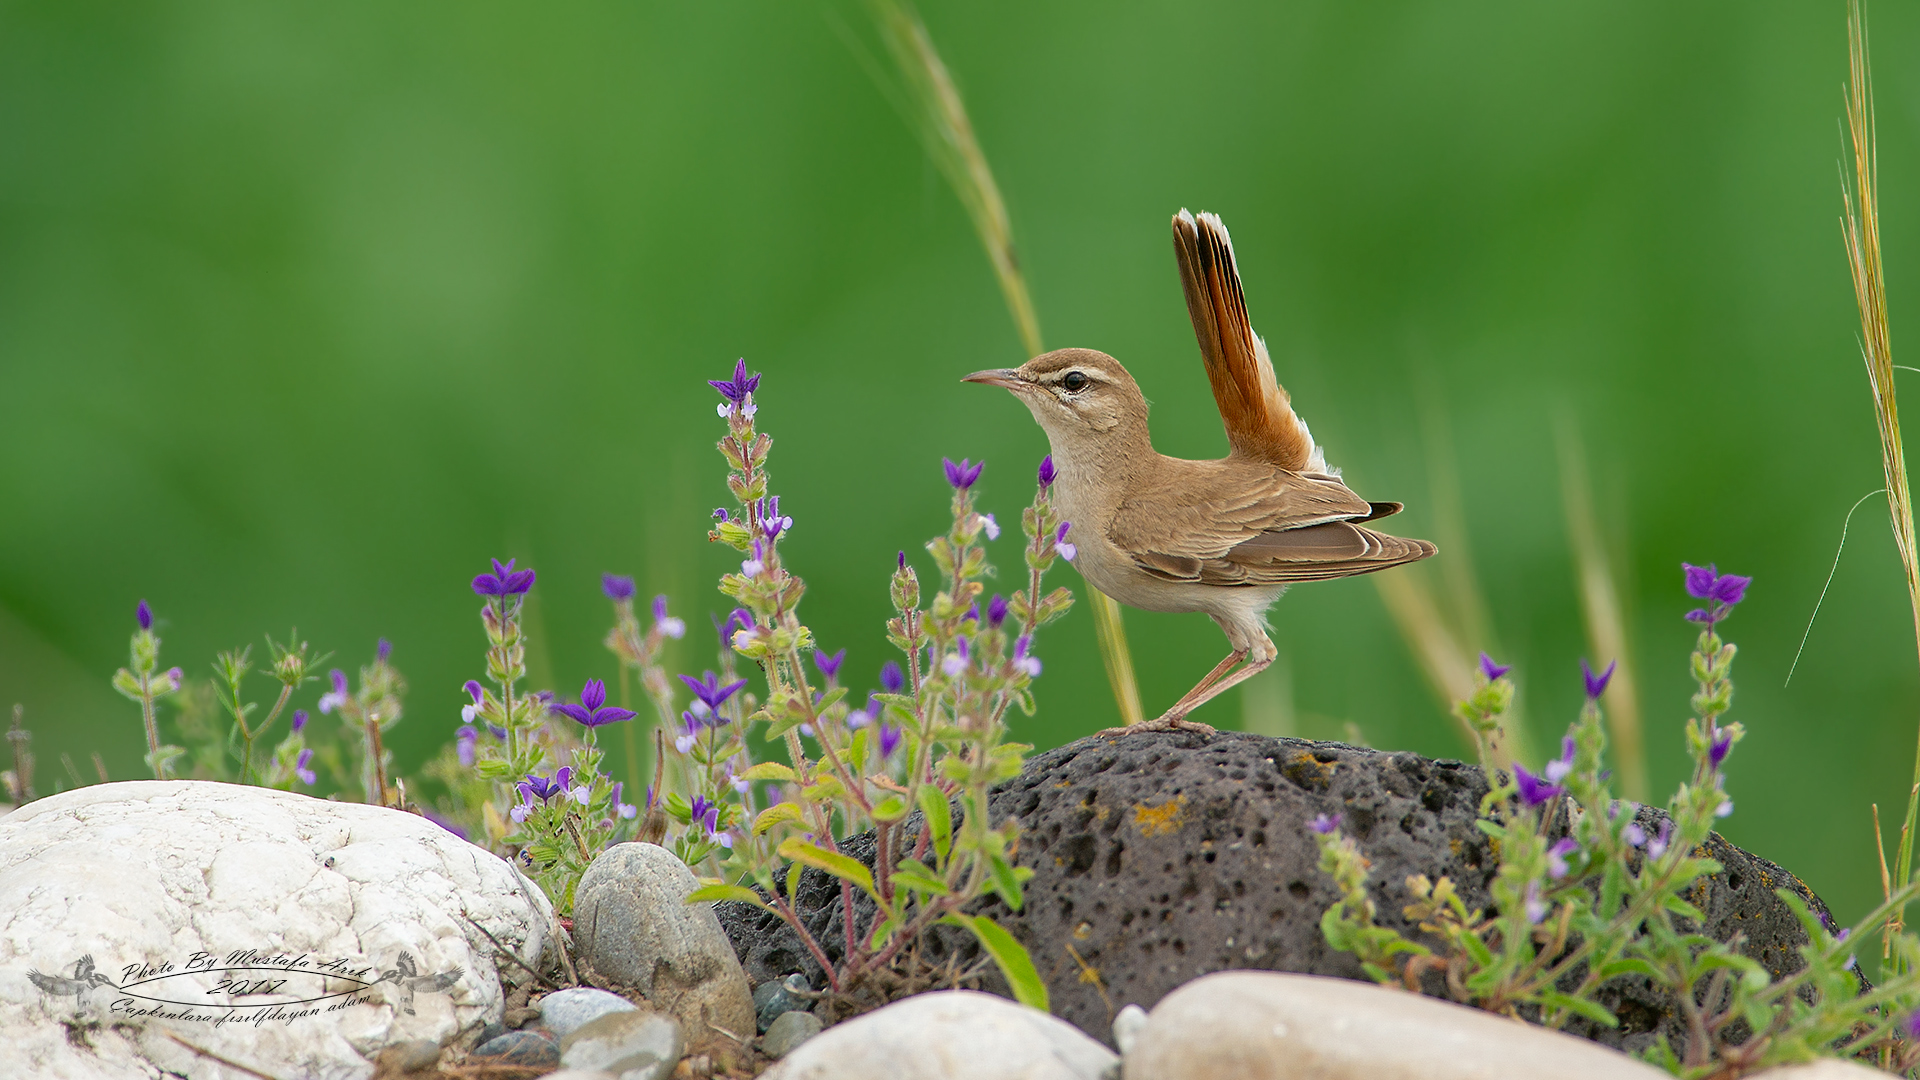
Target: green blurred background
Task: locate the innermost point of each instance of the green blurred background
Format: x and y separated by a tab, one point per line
306	311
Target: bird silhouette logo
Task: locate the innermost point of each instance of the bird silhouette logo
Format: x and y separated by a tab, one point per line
84	979
408	978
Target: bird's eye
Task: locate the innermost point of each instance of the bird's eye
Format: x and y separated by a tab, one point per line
1074	382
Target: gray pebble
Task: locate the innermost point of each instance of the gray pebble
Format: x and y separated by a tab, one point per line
776	996
530	1048
565	1011
631	1045
788	1031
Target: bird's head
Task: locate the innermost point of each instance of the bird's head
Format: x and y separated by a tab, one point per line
1081	398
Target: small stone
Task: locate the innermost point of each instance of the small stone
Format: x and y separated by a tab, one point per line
1127	1025
632	1045
1260	1025
947	1035
530	1048
515	1019
773	997
565	1011
632	922
788	1031
414	1055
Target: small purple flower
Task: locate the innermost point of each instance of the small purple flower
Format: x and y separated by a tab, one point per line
300	768
709	690
542	788
504	581
1723	590
593	710
1840	938
1559	768
1717	751
890	737
667	624
956	662
737	388
1912	1026
145	615
720	514
1596	684
900	562
1633	834
1557	856
1067	551
1657	844
1491	670
963	475
892	680
705	814
1725	809
175	677
829	663
996	611
330	702
383	651
1534	790
299	720
465	740
1047	473
1022	659
1537	908
1324	824
737	620
616	587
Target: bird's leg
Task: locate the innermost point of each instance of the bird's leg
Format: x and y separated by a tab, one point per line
1178	717
1174	718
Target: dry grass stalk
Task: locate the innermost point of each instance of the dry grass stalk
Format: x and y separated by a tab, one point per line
939	117
1606	617
1860	228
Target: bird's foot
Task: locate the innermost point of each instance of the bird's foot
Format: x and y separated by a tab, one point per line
1164	722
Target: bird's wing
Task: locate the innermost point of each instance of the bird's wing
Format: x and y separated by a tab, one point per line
1260	420
52	984
1278	529
84	968
440	981
405	965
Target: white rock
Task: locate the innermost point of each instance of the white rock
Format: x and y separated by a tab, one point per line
1824	1069
154	872
1264	1025
948	1035
1127	1025
632	923
564	1012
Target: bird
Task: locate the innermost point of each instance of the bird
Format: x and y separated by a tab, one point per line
1227	536
408	978
84	979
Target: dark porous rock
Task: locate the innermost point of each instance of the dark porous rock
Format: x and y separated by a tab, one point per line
531	1048
1162	857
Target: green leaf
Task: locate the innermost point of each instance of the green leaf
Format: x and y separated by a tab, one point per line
1553	999
793	880
779	728
767	770
890	809
824	790
774	815
882	934
1628	966
912	875
1005	881
939	817
1011	957
726	892
840	866
1336	929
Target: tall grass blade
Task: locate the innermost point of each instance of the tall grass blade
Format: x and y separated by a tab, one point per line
1860	227
939	117
1606	616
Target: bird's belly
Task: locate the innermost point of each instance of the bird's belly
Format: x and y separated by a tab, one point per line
1109	570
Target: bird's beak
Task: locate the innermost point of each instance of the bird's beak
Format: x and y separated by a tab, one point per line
1007	377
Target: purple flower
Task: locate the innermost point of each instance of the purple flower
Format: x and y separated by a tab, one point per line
1557	856
145	615
829	664
901	561
300	767
1657	845
175	677
383	651
1596	684
956	662
504	581
665	623
1912	1026
1534	790
1047	473
497	732
771	519
541	788
593	710
705	814
1537	908
737	388
1557	769
299	720
466	739
330	702
616	587
963	475
996	611
1723	590
1067	551
1633	834
738	619
892	680
1491	670
1022	660
1722	743
709	690
890	737
1324	824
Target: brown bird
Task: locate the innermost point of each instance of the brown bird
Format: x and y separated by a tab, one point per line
1225	537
